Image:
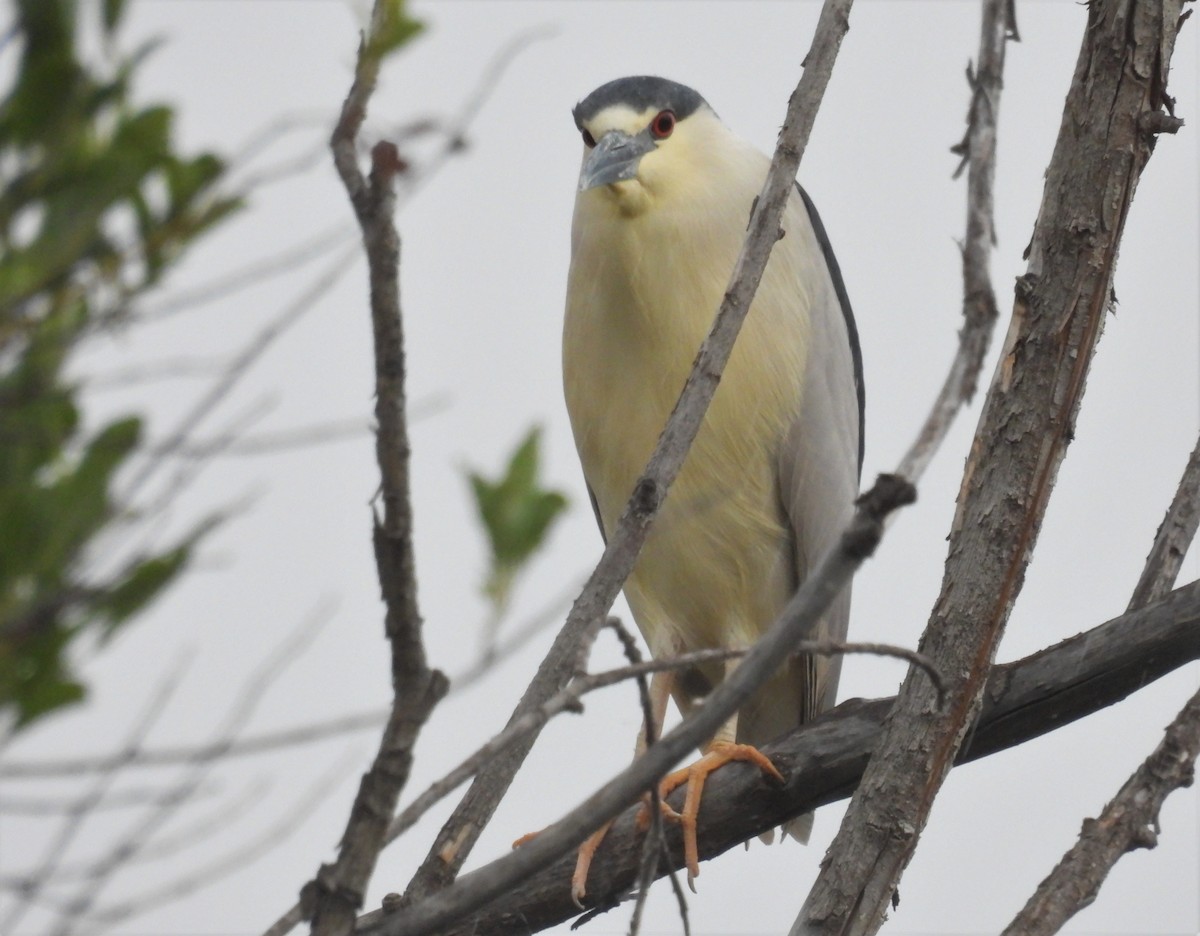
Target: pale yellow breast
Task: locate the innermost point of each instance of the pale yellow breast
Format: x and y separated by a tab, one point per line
716	568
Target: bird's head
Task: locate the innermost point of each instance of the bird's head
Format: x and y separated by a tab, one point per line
646	141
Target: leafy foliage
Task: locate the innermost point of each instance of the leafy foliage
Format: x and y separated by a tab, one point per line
95	206
517	513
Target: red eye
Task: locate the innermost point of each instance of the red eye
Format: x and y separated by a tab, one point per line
588	140
663	124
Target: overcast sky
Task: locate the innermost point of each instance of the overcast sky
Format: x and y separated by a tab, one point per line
485	257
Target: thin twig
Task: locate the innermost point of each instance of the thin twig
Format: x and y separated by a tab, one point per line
475	810
138	836
654	844
286	261
333	897
185	839
978	149
285	738
1174	537
238	367
83	808
127	798
230	863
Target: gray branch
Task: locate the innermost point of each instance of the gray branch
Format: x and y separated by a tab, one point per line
1130	820
332	899
443	909
1024	431
823	761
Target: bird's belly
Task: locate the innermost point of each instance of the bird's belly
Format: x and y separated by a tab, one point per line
717	566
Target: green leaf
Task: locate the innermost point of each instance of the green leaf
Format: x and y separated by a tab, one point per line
33	676
144	582
396	29
79	155
517	514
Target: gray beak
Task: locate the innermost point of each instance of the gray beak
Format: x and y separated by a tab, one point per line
614	158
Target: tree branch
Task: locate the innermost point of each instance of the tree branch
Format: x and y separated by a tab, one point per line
441	910
1025	428
978	149
460	832
824	760
1174	536
1130	820
332	899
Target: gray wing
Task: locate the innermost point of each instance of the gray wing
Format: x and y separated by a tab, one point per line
818	467
821	459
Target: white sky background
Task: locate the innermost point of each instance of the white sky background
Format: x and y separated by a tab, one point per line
483	272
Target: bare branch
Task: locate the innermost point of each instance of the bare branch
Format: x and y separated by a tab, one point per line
435	913
978	148
333	897
1022	438
1130	820
463	827
823	761
139	835
82	809
228	864
1174	536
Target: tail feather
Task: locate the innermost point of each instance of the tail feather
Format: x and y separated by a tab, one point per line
799	828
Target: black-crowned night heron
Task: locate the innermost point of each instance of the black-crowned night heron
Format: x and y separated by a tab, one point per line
664	198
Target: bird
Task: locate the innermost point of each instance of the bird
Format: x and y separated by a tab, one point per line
661	210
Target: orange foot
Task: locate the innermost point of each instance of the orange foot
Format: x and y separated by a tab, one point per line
718	755
583	862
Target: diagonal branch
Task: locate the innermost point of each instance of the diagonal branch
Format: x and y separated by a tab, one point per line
1023	434
824	760
1130	820
1175	535
333	897
460	832
441	910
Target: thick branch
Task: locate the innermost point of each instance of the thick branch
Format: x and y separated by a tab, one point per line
823	761
464	826
332	899
1026	425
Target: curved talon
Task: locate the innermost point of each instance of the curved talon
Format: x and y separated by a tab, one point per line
694	775
583	863
643	817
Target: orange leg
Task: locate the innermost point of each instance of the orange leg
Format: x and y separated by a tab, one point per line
721	751
661	685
